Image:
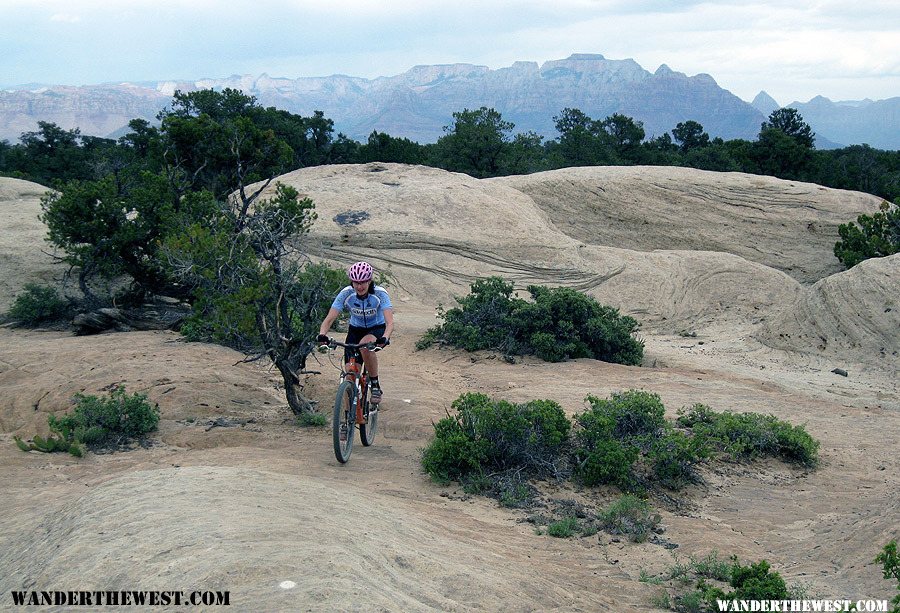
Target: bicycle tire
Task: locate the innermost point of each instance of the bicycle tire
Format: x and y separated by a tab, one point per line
342	422
367	430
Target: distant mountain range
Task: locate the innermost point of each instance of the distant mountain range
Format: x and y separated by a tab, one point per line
420	102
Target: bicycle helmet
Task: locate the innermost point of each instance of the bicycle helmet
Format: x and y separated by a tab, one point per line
359	272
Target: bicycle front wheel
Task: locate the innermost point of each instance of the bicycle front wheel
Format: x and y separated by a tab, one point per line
342	422
367	430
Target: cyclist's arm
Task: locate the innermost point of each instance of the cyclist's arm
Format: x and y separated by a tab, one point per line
333	314
388	323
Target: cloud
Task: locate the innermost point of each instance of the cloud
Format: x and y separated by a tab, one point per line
790	49
65	18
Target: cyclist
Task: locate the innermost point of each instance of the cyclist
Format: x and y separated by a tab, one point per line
371	319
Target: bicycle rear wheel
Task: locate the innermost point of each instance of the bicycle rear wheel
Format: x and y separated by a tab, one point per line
370	412
342	422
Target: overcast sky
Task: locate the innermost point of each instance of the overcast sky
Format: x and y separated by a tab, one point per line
794	50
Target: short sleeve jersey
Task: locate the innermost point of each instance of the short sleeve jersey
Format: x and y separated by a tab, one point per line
364	312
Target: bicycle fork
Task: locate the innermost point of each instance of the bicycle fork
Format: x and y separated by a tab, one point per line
360	391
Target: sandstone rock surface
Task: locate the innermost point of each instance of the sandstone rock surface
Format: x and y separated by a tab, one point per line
232	495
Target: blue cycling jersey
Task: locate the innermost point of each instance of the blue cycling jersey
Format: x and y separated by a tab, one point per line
364	312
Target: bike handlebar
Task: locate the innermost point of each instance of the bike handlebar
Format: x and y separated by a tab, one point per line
371	345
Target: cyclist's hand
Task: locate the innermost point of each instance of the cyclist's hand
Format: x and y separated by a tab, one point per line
323	339
382	341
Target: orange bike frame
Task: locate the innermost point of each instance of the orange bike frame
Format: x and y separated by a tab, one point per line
354	371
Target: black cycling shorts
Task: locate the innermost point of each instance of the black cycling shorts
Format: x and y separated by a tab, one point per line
356	334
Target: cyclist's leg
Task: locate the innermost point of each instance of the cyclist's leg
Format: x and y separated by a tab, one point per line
371	360
354	335
370	357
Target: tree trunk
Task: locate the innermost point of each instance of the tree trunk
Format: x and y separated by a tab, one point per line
293	391
159	316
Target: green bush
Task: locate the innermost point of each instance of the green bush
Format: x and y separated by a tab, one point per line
495	447
712	567
637	415
112	227
605	461
794	444
312	420
453	454
97	421
494	436
756	582
751	435
561	323
611	434
515	492
673	456
876	236
557	324
36	305
890	562
630	516
483	320
564	528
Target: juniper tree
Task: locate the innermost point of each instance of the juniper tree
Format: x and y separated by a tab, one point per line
255	288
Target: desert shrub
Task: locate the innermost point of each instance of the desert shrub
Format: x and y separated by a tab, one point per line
557	324
691	602
564	528
751	434
700	583
701	599
493	436
561	323
611	434
225	319
37	304
876	236
630	516
96	421
756	582
453	454
794	444
712	567
602	461
673	457
514	491
890	562
637	415
312	420
483	320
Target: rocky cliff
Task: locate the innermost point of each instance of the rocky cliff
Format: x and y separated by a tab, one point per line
97	110
875	123
420	102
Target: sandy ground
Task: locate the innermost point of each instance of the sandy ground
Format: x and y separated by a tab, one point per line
233	495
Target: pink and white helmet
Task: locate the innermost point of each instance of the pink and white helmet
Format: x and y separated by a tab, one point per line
359	272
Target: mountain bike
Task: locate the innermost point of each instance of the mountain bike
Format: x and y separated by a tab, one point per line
351	404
